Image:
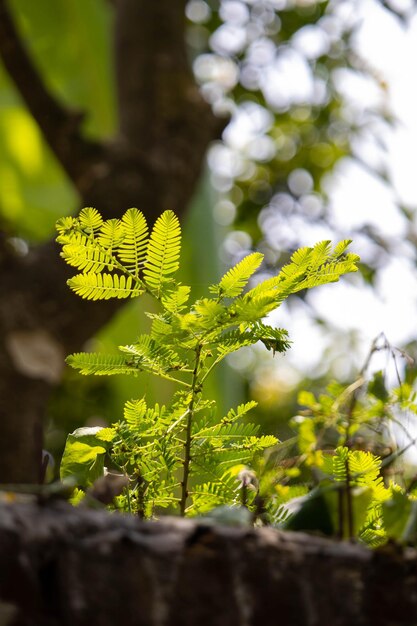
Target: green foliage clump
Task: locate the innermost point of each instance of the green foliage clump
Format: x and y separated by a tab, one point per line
342	474
182	455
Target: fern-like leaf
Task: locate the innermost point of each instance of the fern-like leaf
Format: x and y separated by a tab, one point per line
90	219
208	495
149	355
161	328
111	235
226	458
373	537
249	308
85	255
365	467
175	301
132	250
261	443
232	341
207	420
206	314
309	267
100	364
236	279
242	409
364	471
64	226
163	251
319	265
340	249
134	412
102	286
266	287
339	460
275	339
222	433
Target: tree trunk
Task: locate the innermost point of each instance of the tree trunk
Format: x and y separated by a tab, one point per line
154	163
65	566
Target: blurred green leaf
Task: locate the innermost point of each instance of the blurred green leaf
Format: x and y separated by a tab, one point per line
84	456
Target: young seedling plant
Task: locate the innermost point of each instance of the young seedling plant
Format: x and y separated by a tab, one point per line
182	455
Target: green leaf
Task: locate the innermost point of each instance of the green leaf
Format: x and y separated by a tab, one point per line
224	432
236	279
111	235
340	459
364	471
83	456
396	514
341	248
163	251
309	267
106	434
151	355
103	286
307	438
101	364
275	339
207	314
90	219
208	495
242	409
83	461
134	412
132	250
64	226
86	255
175	301
250	309
307	398
377	387
261	443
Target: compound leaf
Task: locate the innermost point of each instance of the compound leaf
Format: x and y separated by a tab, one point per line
163	251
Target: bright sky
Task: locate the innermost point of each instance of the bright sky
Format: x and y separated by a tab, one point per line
359	198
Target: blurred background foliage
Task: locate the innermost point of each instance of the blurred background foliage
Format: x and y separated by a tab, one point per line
282	70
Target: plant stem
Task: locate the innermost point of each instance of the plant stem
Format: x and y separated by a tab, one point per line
187	443
349	501
129	502
340	513
172	379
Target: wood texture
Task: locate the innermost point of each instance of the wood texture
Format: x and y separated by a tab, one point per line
73	567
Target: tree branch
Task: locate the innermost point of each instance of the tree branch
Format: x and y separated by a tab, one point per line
60	126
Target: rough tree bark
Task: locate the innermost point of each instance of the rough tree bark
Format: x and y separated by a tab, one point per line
153	163
64	566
